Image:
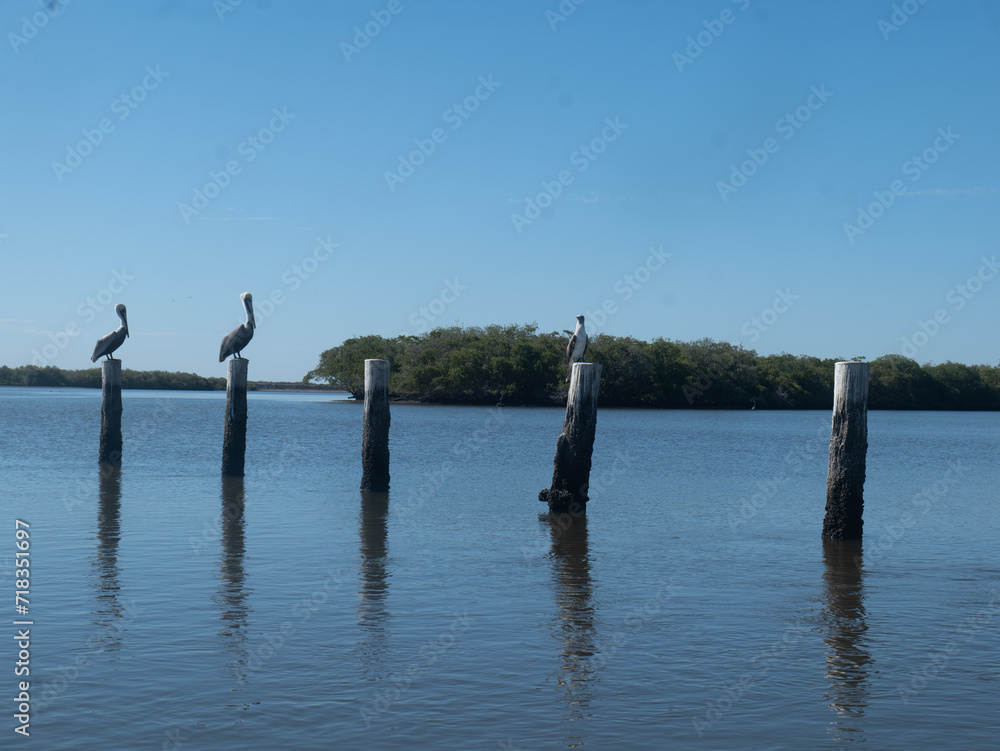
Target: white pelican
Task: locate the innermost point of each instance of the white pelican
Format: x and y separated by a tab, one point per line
110	342
577	346
238	338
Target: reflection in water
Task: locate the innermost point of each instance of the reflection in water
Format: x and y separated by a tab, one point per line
575	624
232	591
109	610
373	585
847	657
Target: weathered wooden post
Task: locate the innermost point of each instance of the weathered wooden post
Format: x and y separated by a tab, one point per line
375	432
234	437
111	412
845	480
575	445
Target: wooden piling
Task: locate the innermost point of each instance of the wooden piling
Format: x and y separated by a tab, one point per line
375	432
575	445
111	412
234	437
845	479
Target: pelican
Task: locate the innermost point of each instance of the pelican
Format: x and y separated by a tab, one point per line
110	342
238	338
577	346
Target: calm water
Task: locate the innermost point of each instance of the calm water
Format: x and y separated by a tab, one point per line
695	608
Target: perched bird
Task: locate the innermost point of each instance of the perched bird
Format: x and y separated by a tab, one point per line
110	342
238	338
577	346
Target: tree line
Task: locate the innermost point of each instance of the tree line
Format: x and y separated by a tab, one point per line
518	365
90	378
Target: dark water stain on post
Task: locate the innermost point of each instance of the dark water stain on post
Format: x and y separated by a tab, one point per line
575	445
234	437
111	412
845	480
375	432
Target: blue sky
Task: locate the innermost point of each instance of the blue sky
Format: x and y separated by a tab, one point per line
736	139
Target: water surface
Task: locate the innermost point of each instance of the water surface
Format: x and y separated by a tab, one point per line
695	607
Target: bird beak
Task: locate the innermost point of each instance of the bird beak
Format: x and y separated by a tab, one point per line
125	322
253	321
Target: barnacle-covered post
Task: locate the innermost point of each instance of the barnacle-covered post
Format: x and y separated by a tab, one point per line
234	437
111	412
575	445
375	431
845	480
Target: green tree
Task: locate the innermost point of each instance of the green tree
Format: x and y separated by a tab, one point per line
720	374
344	366
897	382
626	369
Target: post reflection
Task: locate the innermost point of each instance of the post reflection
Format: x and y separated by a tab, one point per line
232	597
373	585
847	656
574	624
106	571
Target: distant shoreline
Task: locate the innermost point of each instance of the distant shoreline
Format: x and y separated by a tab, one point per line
290	388
653	408
553	404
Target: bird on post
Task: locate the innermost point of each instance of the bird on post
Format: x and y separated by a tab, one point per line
110	342
577	346
234	342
